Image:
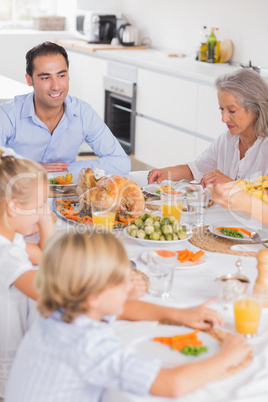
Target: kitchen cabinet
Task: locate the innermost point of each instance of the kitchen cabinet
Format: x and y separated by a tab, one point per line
158	145
183	112
208	114
86	79
166	98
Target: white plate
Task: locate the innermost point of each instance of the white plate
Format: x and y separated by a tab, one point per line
158	243
52	175
212	229
153	188
182	265
142	342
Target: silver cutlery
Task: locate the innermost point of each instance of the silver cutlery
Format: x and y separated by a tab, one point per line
256	237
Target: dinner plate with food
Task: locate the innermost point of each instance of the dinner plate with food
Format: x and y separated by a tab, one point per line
173	345
235	232
186	259
68	209
155	189
62	179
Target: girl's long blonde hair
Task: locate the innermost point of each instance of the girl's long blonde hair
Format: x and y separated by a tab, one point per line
75	265
17	178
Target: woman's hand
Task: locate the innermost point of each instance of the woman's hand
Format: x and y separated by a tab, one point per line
157	175
229	196
201	317
214	177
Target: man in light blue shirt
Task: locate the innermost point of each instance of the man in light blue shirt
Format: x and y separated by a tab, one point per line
48	125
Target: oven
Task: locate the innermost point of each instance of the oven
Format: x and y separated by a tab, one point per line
120	110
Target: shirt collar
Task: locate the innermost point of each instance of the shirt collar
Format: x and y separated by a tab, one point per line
28	108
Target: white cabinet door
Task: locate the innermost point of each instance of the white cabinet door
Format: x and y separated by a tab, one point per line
208	114
86	79
159	146
168	99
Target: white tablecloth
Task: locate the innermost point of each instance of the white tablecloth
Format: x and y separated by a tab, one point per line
195	286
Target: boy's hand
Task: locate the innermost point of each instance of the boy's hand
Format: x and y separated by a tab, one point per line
201	317
139	287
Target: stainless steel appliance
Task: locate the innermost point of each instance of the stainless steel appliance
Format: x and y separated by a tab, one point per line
120	104
126	35
98	27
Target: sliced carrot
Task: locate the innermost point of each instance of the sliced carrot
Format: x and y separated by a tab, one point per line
184	336
182	256
197	255
187	258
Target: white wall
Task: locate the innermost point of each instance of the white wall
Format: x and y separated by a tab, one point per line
175	24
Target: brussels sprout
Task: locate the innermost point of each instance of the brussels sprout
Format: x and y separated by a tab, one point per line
172	219
131	227
139	222
162	238
169	236
147	237
164	221
154	236
152	214
134	232
182	234
166	229
145	216
157	218
156	224
183	228
141	234
175	236
176	227
149	229
149	221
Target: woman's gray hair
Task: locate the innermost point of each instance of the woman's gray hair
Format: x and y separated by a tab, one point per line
251	91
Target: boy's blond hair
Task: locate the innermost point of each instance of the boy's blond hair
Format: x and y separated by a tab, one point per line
17	177
75	265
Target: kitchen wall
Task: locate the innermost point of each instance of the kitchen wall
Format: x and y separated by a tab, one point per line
175	24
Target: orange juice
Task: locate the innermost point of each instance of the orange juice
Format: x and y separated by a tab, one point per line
169	209
247	316
104	219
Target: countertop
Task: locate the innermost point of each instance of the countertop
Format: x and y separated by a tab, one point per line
156	60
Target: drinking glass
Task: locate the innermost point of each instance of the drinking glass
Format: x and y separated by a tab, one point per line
229	288
161	266
103	216
247	311
197	202
171	203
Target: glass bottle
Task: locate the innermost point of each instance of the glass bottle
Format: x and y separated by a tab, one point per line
203	44
212	40
218	47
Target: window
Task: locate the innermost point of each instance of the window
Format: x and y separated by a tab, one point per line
20	13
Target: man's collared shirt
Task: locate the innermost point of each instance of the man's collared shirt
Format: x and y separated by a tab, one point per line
21	130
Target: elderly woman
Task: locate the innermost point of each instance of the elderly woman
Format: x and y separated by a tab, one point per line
242	150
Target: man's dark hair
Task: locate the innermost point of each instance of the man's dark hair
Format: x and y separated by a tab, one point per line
43	49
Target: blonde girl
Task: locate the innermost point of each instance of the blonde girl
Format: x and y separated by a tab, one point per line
71	352
23	211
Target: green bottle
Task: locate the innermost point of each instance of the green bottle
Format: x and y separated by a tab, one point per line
211	48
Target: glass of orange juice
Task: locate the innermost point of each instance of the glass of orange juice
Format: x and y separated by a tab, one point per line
103	216
171	204
247	311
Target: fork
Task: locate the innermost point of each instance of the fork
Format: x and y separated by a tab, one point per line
256	237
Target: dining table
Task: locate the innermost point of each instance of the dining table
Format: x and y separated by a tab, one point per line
193	286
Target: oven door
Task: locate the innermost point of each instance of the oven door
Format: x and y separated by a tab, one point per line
120	110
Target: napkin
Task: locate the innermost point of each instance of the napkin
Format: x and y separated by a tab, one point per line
253	248
98	173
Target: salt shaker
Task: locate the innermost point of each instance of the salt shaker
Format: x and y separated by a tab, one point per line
262	266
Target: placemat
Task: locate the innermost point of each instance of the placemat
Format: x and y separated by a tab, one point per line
219	335
54	193
53	216
206	240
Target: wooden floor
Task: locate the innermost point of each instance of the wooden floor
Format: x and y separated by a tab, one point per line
135	164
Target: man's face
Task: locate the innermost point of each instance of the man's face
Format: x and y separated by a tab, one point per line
50	81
